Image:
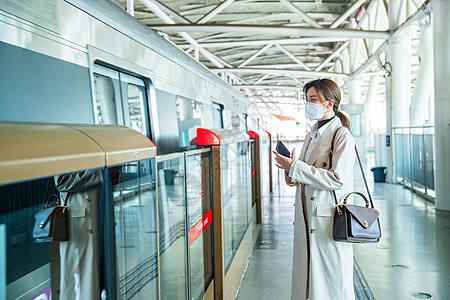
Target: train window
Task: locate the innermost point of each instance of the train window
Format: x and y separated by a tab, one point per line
217	115
135	98
105	100
190	117
133	91
119	99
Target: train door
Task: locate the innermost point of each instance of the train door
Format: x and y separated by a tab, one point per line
120	98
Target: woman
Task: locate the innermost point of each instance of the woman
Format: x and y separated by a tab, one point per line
322	267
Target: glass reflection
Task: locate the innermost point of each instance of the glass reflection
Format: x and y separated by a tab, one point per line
172	222
136	238
236	196
200	223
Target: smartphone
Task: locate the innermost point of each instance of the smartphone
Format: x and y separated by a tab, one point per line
281	149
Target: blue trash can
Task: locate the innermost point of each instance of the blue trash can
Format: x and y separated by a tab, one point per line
379	174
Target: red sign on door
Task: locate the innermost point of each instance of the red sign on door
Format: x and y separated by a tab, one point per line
198	228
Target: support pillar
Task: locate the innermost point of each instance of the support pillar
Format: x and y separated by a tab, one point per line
355	108
398	89
441	42
424	81
369	105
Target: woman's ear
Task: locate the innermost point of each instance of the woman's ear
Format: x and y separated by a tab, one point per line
330	104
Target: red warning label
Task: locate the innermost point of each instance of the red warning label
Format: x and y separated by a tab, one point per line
201	225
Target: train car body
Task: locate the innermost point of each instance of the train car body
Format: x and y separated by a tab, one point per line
90	62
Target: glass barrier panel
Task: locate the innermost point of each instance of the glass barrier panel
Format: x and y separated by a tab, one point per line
429	160
65	269
198	187
236	196
134	198
172	226
265	180
253	168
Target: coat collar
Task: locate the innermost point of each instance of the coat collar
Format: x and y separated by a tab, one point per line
324	144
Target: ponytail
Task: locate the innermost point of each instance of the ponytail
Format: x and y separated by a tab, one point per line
344	120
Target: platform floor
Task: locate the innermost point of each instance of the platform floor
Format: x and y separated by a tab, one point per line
413	255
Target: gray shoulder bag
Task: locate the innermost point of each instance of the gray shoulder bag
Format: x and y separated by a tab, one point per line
354	223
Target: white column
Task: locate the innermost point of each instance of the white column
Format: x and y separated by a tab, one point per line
424	81
399	88
371	97
441	35
399	56
368	114
431	108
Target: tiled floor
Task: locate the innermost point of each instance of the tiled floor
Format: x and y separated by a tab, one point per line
413	255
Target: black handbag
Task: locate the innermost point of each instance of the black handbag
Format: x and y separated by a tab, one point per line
51	223
354	223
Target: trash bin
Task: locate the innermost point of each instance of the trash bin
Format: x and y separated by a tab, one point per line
169	176
379	174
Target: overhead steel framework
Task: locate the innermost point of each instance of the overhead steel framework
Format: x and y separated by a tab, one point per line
280	44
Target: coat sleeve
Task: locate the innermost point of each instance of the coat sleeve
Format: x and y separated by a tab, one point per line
328	179
79	181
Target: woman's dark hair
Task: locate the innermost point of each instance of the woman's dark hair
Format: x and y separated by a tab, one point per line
330	91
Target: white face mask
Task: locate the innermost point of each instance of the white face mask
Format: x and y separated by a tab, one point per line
314	111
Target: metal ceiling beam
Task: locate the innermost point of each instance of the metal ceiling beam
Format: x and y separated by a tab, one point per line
300	13
266	41
423	12
130	7
261	79
277	87
157	10
215	11
292	56
357	4
368	62
257	53
275	30
282	72
329	58
168	11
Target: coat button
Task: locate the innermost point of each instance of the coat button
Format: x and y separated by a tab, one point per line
312	230
88	200
293	223
91	231
313	198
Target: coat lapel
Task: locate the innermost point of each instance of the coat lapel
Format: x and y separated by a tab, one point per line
305	147
325	141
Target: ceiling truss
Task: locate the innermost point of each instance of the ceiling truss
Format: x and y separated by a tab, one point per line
277	44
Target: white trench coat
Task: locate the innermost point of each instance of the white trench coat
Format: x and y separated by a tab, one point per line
330	263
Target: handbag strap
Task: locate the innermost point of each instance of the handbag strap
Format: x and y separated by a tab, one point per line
56	196
330	155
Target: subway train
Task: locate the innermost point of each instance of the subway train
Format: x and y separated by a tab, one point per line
78	80
90	62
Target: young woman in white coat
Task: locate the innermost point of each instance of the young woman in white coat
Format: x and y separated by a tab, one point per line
322	267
